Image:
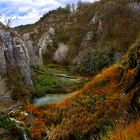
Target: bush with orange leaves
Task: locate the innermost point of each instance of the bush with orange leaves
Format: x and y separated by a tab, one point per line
131	132
91	111
34	110
38	130
94	109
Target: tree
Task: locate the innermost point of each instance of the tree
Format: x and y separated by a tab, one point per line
73	7
8	22
79	3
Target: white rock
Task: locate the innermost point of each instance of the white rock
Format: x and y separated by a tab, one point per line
51	31
89	36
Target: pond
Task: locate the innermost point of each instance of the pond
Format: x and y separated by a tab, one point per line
52	98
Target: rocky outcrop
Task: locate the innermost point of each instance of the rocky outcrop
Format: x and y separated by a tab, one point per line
2	60
88	39
96	22
51	31
32	50
37	49
96	19
89	36
14	54
135	5
45	42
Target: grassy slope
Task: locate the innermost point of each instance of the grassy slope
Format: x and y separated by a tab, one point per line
120	29
95	111
130	132
92	111
99	106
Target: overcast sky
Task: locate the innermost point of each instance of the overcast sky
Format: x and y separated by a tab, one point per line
29	11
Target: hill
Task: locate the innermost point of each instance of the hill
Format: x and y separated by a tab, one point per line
91	52
100	110
87	39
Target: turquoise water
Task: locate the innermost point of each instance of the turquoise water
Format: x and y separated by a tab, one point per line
50	98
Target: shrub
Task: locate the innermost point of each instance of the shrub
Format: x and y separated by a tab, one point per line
92	61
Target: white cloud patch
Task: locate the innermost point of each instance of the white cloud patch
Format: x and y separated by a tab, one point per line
29	11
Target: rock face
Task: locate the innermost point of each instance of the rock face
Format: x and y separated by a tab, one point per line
89	36
37	49
61	53
135	5
95	20
2	60
51	31
14	54
97	23
45	42
31	49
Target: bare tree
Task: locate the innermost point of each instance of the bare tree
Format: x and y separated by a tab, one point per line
8	22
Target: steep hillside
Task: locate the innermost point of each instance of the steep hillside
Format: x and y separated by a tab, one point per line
58	55
109	102
16	86
87	39
14	62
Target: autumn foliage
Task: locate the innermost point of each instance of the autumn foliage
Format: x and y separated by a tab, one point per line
127	132
93	110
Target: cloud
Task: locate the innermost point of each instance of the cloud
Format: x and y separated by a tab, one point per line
29	11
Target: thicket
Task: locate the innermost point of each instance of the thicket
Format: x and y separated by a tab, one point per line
92	61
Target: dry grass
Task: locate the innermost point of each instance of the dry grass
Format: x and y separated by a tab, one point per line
131	132
91	110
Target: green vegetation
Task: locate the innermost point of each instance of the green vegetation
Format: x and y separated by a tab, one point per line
17	130
94	60
7	123
99	106
46	80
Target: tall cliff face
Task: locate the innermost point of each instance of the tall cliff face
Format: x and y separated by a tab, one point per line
36	48
14	55
32	50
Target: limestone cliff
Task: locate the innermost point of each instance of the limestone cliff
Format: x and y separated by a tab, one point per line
14	55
